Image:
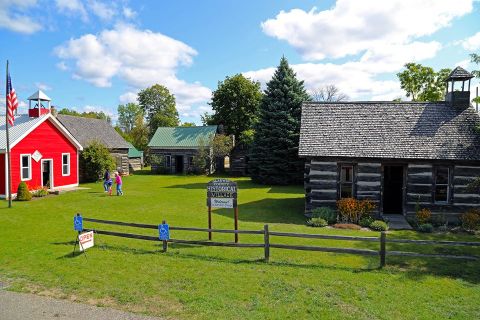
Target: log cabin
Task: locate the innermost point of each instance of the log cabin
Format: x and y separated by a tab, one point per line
397	154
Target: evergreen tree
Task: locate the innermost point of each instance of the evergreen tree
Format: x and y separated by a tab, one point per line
274	153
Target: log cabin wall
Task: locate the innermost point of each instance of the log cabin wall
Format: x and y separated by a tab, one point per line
322	185
420	187
369	182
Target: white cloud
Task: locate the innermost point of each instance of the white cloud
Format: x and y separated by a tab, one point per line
353	26
102	10
139	57
72	7
129	13
472	43
128	97
13	17
43	86
62	66
383	36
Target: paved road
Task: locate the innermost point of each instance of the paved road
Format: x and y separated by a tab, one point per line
22	306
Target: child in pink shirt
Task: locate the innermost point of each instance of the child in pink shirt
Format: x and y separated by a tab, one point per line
118	181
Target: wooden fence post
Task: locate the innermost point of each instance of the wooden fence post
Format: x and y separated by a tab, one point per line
164	242
266	238
383	250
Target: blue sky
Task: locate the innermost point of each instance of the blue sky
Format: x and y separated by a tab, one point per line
94	54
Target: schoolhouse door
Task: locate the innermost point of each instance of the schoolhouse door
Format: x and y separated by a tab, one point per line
47	174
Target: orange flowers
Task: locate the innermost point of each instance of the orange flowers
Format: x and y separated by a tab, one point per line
352	210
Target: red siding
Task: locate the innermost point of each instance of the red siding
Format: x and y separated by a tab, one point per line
2	173
51	143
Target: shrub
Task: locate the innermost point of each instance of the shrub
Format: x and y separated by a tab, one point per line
471	220
379	225
443	228
22	192
352	210
426	228
96	159
350	226
439	220
317	222
42	192
325	213
366	221
423	216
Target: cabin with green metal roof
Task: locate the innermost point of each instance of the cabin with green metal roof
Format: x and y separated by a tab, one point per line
173	148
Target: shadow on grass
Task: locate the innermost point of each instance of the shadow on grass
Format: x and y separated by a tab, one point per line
246	185
289	210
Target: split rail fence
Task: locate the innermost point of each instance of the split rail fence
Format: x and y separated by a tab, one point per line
268	244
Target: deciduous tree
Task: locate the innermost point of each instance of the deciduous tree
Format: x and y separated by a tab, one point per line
127	116
235	104
328	93
422	83
159	107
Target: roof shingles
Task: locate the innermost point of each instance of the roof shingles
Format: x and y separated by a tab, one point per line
389	130
86	130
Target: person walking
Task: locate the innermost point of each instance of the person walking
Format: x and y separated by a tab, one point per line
107	181
118	181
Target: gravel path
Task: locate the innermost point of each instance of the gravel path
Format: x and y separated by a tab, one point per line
22	306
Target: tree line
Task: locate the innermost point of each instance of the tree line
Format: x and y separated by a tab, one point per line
266	124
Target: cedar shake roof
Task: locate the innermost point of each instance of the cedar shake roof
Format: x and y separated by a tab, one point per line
86	130
395	130
182	137
460	74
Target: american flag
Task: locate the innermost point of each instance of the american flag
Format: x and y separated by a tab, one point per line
12	102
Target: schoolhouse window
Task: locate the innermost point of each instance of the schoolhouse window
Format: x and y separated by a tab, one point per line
168	161
442	184
26	167
65	164
346	181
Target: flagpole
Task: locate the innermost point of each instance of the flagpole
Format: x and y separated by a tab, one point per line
9	174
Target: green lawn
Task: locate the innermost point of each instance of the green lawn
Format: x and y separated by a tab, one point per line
194	282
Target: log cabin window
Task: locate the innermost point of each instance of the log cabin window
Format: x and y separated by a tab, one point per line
441	184
168	161
190	161
65	164
346	181
25	167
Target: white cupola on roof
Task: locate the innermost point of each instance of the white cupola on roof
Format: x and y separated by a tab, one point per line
41	104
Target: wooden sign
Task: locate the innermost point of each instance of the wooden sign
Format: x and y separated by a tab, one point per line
219	190
222	193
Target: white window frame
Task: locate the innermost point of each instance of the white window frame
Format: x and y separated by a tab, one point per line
69	164
22	178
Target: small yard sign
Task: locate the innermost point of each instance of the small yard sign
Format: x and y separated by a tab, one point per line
164	231
78	223
86	240
222	193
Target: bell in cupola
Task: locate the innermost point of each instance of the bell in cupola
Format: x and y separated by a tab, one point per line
38	104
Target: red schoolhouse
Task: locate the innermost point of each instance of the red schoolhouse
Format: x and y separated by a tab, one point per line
42	151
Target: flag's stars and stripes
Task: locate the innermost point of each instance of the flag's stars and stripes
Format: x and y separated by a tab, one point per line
12	102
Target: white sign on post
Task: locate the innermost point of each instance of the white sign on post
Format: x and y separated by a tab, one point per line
85	240
221	202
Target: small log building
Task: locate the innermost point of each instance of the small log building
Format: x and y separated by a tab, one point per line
397	154
177	146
